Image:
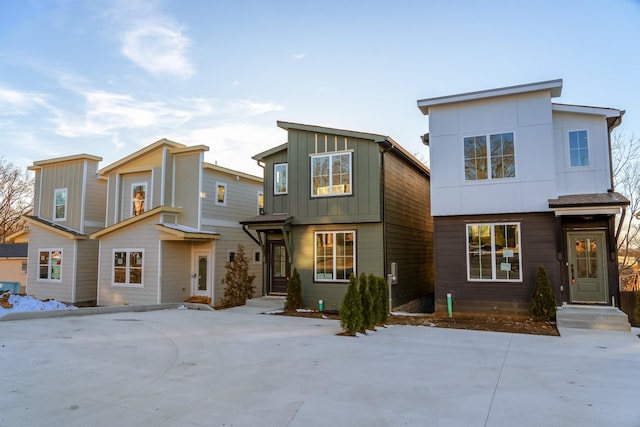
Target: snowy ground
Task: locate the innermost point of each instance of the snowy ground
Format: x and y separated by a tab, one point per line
27	303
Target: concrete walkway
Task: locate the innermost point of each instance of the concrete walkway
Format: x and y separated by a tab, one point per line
240	368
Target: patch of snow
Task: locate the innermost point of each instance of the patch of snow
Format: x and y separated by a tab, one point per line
27	303
405	313
182	307
276	311
636	331
304	310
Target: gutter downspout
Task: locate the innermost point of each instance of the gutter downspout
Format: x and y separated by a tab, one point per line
387	146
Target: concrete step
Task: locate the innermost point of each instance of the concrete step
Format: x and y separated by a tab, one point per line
592	317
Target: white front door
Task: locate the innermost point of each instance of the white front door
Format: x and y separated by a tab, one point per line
201	274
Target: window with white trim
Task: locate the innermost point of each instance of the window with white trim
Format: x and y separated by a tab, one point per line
331	174
493	252
334	256
138	198
50	264
280	184
578	148
497	162
60	204
221	194
128	267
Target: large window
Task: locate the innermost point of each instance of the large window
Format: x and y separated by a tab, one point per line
138	198
128	267
221	194
335	256
50	264
498	161
331	174
280	178
578	148
60	208
493	252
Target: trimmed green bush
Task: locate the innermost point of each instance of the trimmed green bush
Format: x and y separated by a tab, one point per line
239	283
383	296
368	316
351	318
543	300
294	292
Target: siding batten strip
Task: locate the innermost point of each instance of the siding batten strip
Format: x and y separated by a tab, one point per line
83	195
316	143
159	270
74	287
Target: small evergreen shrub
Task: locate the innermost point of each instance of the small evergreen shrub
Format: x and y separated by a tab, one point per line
543	300
368	320
239	283
376	309
383	295
351	318
294	292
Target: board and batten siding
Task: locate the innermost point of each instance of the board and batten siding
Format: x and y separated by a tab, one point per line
142	235
86	271
369	260
363	205
275	203
39	239
538	247
188	169
69	175
408	229
95	200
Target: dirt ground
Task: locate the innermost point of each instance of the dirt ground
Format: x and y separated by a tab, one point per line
478	322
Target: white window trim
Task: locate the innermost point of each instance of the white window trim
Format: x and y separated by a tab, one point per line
146	196
315	256
275	175
66	203
493	253
568	150
229	252
259	255
331	154
488	141
226	195
260	193
48	279
113	274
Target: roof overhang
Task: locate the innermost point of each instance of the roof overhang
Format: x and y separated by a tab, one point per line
40	163
553	86
134	220
610	203
55	228
177	232
21	236
280	221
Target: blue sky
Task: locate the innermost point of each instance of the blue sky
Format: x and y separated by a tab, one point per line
110	77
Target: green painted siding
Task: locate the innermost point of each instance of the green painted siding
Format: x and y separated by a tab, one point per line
275	203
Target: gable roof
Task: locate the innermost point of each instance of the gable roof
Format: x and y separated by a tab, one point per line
385	141
228	171
149	148
554	86
56	228
40	163
14	250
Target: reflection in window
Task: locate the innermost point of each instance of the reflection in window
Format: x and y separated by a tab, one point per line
280	178
331	174
128	266
586	258
221	194
60	199
500	159
578	148
493	252
334	256
138	198
50	264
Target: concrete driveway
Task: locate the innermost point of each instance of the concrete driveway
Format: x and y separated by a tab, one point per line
240	368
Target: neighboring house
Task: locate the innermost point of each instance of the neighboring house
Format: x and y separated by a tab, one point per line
518	182
13	263
171	226
337	203
68	205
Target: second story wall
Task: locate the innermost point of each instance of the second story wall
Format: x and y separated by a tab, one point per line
187	178
276	195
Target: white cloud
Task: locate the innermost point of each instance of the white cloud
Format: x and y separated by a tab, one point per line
254	108
159	49
13	102
297	56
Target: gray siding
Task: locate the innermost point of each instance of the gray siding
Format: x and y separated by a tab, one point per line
95	200
408	229
364	203
275	203
142	235
538	246
369	260
187	186
176	271
40	238
86	271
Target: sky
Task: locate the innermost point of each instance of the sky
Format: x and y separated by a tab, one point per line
108	77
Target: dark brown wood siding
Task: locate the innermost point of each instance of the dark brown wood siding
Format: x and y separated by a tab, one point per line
538	247
408	229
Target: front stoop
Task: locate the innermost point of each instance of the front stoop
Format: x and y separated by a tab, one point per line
592	317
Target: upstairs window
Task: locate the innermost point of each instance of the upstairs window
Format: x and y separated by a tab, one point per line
260	202
221	194
50	264
578	148
60	204
128	267
331	174
138	198
280	178
498	161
